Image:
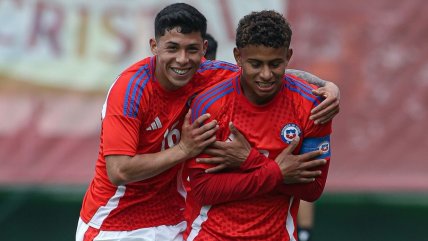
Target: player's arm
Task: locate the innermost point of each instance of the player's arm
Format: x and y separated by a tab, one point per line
123	169
209	188
329	107
316	139
309	191
213	188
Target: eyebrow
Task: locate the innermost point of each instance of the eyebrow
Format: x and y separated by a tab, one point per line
175	43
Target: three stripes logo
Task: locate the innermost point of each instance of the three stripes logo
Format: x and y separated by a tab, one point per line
156	124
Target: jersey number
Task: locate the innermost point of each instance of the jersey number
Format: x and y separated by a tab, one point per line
171	138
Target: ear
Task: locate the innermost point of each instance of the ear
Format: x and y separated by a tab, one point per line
153	46
204	47
237	55
289	54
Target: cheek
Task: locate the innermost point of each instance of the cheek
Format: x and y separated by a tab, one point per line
248	70
165	58
196	58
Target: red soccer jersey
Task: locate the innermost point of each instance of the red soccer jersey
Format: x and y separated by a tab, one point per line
252	203
138	117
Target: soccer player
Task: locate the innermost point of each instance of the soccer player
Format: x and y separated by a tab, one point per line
146	135
259	200
305	220
211	52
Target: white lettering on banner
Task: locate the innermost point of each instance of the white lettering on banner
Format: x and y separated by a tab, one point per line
88	43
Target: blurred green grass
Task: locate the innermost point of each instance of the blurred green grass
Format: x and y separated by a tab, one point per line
50	213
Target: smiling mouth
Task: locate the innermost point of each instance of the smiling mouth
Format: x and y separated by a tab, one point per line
265	85
180	71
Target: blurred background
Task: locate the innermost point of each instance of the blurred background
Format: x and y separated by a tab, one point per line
58	59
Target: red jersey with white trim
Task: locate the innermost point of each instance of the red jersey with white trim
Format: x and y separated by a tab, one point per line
252	203
138	117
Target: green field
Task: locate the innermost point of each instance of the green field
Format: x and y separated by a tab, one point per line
51	213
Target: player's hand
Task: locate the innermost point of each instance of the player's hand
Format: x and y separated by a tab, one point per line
227	154
297	168
329	107
197	135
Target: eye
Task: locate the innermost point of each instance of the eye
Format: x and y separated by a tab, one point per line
171	48
193	50
255	64
275	64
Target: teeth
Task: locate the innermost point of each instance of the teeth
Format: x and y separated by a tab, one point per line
180	71
264	84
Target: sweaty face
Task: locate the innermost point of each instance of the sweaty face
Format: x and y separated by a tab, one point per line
178	57
262	71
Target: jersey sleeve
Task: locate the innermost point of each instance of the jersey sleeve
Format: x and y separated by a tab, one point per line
122	114
315	137
212	72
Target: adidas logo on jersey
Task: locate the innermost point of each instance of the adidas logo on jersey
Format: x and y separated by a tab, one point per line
156	124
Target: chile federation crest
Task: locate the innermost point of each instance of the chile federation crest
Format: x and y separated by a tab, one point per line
289	132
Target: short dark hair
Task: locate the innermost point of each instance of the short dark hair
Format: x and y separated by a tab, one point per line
181	15
267	28
212	47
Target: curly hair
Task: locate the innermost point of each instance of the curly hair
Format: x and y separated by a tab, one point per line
267	28
181	15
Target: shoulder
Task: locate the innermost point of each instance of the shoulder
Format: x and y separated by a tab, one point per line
135	76
301	90
129	87
141	69
212	98
217	65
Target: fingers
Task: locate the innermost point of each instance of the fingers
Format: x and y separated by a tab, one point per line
310	155
290	148
211	160
201	119
310	174
305	180
216	168
208	130
329	100
187	118
313	164
235	131
326	112
327	117
232	128
218	145
208	141
213	151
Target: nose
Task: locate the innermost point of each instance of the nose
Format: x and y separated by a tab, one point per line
182	57
265	73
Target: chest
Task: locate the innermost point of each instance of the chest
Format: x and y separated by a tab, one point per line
161	125
269	129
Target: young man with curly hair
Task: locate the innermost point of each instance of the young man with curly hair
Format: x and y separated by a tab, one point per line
259	200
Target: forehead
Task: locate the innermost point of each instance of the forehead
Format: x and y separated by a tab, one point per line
263	53
174	36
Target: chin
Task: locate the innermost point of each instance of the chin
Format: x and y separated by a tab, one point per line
180	83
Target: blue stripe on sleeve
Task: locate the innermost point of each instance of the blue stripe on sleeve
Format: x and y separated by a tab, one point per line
305	88
132	110
128	90
200	100
311	98
140	93
317	143
209	65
